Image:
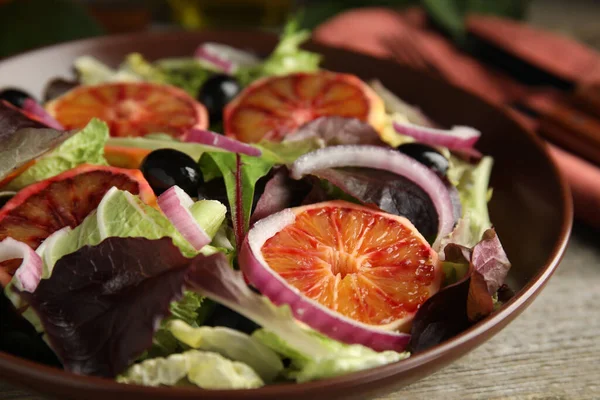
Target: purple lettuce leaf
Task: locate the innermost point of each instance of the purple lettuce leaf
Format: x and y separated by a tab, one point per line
102	304
332	131
280	192
457	307
23	139
390	192
490	260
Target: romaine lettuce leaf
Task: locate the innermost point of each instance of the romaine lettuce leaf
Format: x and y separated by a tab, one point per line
121	214
234	345
85	147
204	369
341	358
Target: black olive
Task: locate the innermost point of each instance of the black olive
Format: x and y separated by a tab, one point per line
427	156
165	168
15	97
217	91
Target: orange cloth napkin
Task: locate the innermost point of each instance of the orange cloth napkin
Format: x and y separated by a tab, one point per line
371	30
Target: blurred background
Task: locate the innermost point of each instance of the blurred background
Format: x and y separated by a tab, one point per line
538	59
27	24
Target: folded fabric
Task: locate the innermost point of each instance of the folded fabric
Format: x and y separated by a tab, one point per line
371	30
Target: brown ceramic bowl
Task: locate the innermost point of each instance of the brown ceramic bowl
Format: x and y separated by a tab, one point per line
531	208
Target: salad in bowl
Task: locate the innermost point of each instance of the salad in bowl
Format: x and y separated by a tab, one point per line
225	221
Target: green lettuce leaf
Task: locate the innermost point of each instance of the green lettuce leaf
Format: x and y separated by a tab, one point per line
472	183
307	365
92	71
286	153
186	73
122	214
204	369
234	345
214	165
159	141
85	147
286	58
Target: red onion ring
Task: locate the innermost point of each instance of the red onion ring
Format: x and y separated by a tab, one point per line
175	204
225	58
219	141
388	160
318	317
459	137
28	275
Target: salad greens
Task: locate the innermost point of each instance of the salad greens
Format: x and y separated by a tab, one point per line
250	170
472	183
204	369
124	295
308	364
84	147
232	344
313	355
22	140
287	57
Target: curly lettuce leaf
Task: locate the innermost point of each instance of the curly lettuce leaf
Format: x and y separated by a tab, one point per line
286	58
232	344
204	369
85	147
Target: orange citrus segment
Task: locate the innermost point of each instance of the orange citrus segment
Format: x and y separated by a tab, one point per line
273	107
367	265
130	108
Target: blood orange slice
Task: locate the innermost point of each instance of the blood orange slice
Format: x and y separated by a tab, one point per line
371	267
130	108
65	200
274	107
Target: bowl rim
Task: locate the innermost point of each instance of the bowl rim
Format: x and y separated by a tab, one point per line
31	371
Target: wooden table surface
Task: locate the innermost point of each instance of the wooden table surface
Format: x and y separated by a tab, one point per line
551	351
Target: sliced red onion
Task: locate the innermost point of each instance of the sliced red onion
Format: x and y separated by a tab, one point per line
388	160
31	107
222	142
225	58
459	137
315	315
175	204
28	275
